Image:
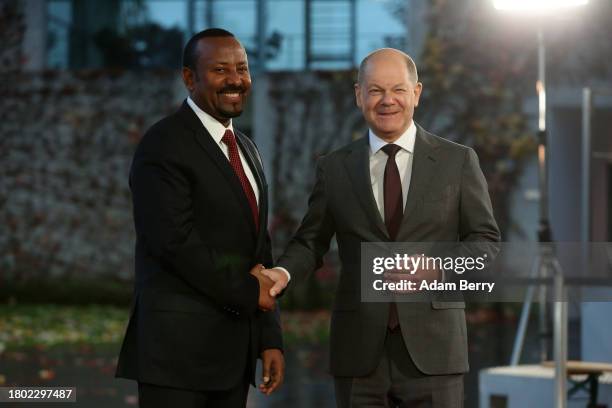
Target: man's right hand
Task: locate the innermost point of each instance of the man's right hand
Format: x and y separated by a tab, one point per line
280	278
266	302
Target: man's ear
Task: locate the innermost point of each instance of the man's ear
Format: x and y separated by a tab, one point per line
418	88
358	95
188	78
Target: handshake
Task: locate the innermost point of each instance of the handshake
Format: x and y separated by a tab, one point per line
271	282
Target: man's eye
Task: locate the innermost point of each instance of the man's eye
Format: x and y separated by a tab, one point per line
374	91
400	90
221	70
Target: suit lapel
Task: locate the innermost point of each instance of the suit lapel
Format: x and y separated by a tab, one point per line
357	164
254	163
205	140
423	167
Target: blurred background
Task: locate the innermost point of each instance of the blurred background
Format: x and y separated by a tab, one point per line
82	80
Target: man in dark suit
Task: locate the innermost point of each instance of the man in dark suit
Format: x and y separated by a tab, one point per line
199	319
398	184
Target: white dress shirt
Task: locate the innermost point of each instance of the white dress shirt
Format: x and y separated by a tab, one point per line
217	130
403	159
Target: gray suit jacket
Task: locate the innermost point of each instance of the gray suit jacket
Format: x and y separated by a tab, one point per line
447	201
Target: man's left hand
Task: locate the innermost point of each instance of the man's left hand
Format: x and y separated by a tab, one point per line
273	363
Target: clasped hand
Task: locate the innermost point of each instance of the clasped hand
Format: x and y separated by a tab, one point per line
271	283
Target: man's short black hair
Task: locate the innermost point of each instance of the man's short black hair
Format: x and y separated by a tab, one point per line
190	54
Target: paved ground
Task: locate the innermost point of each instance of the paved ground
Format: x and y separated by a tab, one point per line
307	384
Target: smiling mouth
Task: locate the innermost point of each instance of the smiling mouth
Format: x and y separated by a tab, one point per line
386	114
233	96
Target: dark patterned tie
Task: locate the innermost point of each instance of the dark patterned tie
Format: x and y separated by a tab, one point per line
394	210
234	157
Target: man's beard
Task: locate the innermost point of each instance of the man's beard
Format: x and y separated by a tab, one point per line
230	114
233	113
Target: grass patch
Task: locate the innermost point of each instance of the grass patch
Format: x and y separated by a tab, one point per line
25	326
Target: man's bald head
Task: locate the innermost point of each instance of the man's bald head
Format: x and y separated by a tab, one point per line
385	53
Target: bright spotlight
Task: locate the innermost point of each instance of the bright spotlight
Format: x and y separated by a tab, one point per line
536	5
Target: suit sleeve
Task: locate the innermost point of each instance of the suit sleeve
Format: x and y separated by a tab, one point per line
305	251
478	230
164	220
477	222
271	333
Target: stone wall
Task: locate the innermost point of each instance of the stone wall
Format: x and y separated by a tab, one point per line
66	146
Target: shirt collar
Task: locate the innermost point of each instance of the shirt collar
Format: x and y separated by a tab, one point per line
212	125
405	141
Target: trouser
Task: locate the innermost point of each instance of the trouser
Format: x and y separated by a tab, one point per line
397	382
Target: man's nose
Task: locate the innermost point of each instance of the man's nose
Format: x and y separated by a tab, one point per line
233	78
387	99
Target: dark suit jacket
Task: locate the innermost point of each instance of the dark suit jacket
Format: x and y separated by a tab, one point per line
447	201
195	322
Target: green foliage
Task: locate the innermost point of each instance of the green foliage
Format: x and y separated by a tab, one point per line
305	328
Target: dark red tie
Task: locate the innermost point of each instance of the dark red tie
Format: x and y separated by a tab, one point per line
234	157
394	209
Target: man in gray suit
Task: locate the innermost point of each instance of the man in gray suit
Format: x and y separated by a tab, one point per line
397	184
